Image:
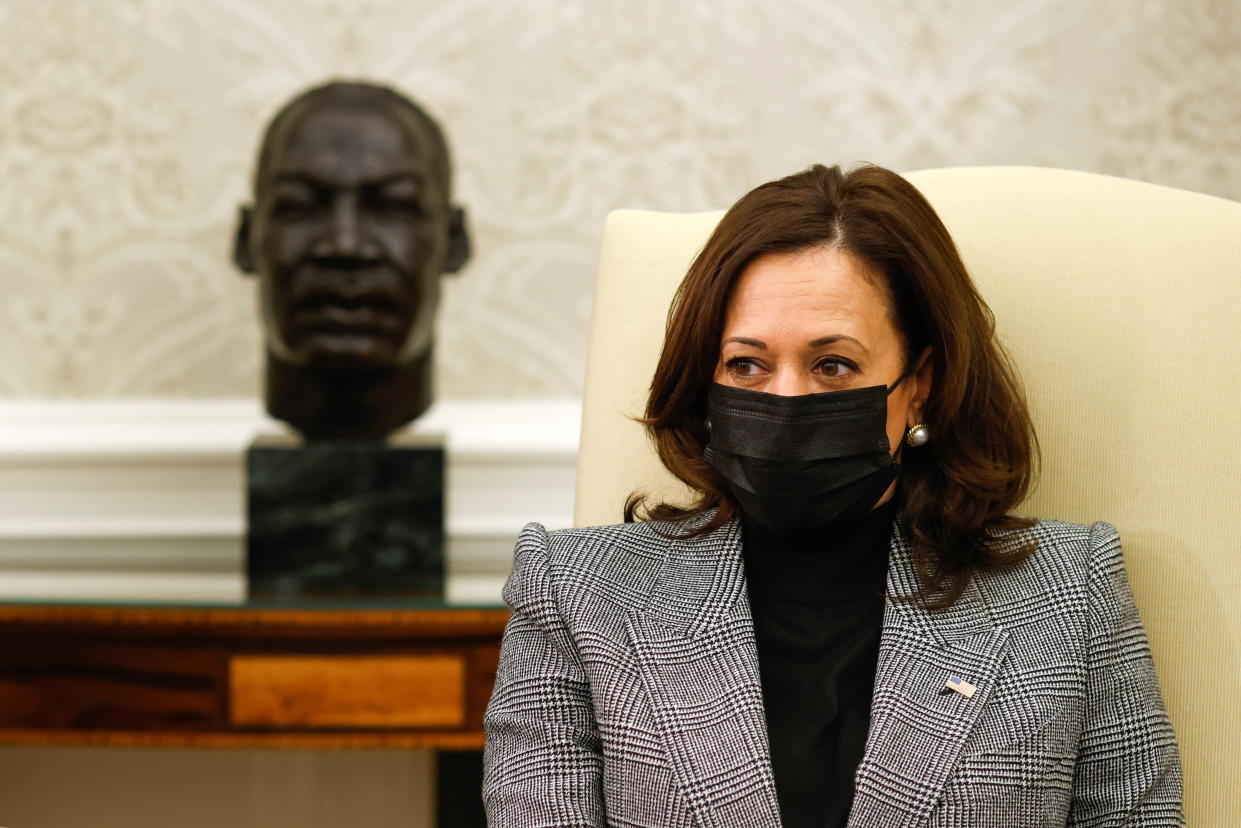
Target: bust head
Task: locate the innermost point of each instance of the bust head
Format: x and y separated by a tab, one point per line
351	227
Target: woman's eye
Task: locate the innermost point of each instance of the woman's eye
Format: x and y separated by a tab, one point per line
833	367
742	367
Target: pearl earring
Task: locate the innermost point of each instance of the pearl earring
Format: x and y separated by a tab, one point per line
918	435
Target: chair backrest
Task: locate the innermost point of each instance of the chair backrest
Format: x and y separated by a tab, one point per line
1120	303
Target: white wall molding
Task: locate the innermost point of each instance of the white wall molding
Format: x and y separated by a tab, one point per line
145	500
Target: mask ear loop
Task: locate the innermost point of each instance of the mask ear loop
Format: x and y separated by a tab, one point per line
899	380
908	372
899	445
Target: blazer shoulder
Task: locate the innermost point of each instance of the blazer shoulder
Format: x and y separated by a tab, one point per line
1064	558
620	563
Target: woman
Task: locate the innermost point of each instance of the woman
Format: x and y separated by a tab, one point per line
847	626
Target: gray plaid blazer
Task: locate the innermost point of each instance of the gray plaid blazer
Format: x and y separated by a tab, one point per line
628	692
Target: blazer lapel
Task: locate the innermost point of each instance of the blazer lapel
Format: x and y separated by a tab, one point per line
918	726
695	650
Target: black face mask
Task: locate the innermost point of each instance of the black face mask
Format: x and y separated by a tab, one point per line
802	464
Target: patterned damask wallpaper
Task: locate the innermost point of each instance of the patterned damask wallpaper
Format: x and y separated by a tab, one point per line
127	129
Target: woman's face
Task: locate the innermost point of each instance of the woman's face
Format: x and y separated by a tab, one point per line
810	321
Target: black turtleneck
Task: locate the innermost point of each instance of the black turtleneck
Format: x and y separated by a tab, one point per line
818	610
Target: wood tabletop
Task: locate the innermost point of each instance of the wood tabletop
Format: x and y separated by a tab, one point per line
189	620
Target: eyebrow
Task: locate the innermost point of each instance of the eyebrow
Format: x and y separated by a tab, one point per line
815	343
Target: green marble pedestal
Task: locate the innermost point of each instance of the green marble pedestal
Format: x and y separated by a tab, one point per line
345	519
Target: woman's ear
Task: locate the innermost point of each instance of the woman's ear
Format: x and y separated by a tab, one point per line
923	376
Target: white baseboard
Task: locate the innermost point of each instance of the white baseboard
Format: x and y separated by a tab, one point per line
146	500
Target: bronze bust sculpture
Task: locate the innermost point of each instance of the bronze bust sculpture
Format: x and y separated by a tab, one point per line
351	228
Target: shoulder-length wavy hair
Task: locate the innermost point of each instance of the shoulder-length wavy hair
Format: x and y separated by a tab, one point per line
958	489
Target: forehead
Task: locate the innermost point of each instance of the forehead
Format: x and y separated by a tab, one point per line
348	143
804	292
817	280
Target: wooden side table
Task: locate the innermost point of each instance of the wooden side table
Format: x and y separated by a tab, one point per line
257	677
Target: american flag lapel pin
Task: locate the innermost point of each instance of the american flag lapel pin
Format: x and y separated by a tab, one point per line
961	686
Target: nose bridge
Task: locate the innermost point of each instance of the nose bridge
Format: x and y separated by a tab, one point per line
346	232
790	380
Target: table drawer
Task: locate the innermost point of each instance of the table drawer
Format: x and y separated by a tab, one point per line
347	691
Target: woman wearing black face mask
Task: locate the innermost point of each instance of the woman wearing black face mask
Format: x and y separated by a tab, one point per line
847	627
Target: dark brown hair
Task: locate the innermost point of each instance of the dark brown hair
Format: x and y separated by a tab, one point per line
958	489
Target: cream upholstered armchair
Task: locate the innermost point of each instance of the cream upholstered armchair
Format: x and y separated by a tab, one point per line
1121	305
